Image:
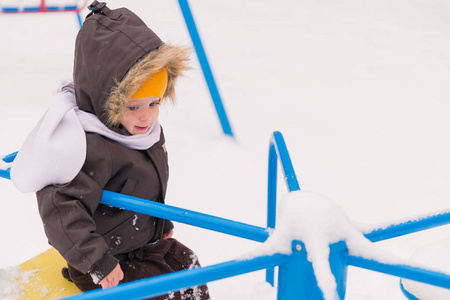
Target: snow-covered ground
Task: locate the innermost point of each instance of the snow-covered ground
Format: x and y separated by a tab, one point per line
359	90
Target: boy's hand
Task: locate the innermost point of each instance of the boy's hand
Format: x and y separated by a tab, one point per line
113	278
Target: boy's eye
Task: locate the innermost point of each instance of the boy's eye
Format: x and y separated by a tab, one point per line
133	108
154	103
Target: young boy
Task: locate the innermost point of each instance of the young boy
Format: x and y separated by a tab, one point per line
102	133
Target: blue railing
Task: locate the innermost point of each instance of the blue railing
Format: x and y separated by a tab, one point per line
185	216
296	278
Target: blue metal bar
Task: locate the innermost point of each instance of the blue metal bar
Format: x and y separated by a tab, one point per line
410	226
288	170
39	9
80	21
272	201
189	19
31	9
403	271
277	149
296	279
5	174
160	285
168	212
10	157
10	9
272	187
54	8
407	293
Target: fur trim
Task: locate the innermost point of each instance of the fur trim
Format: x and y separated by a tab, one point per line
173	58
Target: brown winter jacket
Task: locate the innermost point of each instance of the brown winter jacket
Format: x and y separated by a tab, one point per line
115	53
84	231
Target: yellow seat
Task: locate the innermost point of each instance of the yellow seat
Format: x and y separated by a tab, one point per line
47	281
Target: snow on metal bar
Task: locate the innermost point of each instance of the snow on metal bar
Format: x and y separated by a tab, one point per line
410	226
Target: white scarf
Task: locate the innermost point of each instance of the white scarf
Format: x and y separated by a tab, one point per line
55	150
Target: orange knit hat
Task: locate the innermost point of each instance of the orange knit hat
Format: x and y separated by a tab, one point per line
155	86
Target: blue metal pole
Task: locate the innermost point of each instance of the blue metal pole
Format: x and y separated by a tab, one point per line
5	174
403	271
168	212
296	279
277	149
189	19
288	169
80	22
159	285
272	187
10	157
405	292
338	264
272	201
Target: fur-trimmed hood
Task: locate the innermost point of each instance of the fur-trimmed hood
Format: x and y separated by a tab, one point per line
170	57
115	53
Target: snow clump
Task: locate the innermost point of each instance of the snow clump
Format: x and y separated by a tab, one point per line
317	222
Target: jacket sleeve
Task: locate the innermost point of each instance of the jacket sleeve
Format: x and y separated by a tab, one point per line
67	213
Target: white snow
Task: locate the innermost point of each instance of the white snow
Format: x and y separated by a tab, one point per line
4	165
318	222
436	256
359	90
367	228
11	279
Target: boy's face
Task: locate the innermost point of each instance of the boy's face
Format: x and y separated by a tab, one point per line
140	115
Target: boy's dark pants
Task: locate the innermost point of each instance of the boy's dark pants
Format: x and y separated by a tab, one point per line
166	256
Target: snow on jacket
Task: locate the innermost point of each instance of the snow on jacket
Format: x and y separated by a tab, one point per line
115	52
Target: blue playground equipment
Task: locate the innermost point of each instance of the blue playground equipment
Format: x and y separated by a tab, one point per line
213	90
195	37
406	293
296	278
44	8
